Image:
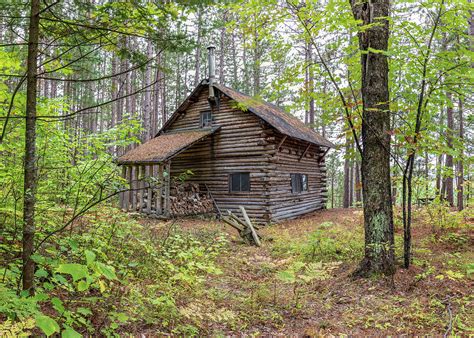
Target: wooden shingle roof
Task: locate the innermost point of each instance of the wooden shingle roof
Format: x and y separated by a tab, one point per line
280	120
164	146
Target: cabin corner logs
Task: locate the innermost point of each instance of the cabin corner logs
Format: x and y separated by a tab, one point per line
241	143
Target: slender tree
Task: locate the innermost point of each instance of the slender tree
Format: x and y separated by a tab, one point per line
375	164
30	169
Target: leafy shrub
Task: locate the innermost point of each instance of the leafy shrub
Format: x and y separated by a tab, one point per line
114	273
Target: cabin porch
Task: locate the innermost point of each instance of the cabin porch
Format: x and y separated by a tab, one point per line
153	191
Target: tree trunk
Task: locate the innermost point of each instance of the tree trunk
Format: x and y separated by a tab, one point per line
351	184
256	64
427	182
358	192
197	57
376	185
235	80
222	50
30	174
147	105
449	158
460	164
346	202
439	164
311	85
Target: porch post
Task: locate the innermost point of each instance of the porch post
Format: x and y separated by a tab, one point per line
167	207
159	193
141	186
130	183
148	174
135	186
122	194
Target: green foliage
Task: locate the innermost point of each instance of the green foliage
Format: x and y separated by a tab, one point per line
15	307
328	243
11	329
47	324
79	275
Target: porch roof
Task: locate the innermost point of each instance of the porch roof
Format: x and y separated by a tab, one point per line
164	147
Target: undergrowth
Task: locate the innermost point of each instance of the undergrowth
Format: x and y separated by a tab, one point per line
109	274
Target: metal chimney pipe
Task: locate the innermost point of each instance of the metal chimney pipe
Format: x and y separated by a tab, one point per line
211	57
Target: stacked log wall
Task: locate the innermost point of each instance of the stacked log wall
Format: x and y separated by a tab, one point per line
294	156
239	146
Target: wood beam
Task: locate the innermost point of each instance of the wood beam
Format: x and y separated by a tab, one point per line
141	187
148	174
305	151
130	184
122	194
159	193
126	193
167	181
324	154
281	142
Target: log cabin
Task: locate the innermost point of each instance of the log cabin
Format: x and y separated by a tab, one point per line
240	151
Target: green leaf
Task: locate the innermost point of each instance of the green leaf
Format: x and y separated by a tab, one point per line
77	271
57	304
41	273
121	317
90	257
41	297
47	324
286	276
70	333
82	286
84	311
106	270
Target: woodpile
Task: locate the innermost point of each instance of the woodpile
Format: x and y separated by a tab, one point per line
188	199
185	199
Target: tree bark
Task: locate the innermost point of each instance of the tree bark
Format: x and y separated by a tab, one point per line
311	86
347	183
197	57
30	172
375	164
222	50
358	192
449	157
460	164
147	104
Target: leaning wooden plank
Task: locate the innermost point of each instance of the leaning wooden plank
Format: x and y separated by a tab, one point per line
236	219
214	201
232	223
249	223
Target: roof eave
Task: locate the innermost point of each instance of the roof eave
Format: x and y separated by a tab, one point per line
171	155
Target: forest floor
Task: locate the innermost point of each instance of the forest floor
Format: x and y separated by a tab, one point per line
299	282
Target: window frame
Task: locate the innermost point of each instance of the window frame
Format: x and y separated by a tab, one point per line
209	119
231	181
299	183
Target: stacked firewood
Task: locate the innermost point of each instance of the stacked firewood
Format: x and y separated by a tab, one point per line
188	199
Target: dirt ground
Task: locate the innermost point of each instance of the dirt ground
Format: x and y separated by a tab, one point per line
299	282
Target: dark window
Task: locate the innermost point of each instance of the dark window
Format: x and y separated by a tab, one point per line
239	182
299	183
206	119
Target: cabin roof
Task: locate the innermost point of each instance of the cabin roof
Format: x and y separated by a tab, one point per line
282	121
164	146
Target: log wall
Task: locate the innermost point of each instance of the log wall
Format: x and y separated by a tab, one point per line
298	157
245	143
239	146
